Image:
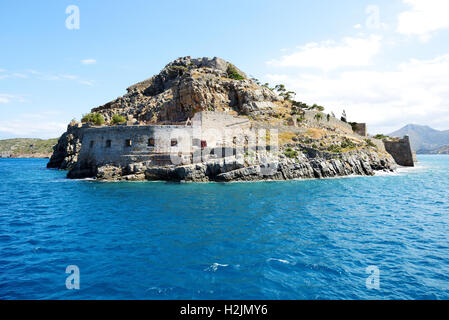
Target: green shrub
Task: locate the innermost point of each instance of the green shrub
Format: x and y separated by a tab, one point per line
316	107
334	148
369	143
318	116
177	70
117	119
381	136
348	144
233	73
290	153
93	118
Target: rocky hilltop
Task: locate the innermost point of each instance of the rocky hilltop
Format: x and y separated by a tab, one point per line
186	86
311	143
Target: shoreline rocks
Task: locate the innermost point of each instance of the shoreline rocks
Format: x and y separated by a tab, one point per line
364	162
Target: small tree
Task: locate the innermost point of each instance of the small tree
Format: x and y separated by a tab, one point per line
343	116
280	88
318	116
117	119
93	118
233	73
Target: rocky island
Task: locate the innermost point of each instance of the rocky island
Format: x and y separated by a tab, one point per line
204	120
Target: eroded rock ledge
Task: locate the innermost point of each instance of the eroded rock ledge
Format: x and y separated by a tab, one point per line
363	162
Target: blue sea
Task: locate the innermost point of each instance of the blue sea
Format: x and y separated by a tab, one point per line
309	239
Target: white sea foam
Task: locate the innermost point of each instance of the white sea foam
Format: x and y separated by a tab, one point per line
280	260
214	267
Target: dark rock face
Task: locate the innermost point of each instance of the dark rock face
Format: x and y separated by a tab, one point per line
360	162
65	152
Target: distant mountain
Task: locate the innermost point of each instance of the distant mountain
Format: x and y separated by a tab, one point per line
27	148
424	139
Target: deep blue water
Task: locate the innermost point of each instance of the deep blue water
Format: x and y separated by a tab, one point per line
269	240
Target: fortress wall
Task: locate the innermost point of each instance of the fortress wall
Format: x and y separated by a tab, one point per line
401	151
219	128
110	144
213	119
333	122
97	148
360	128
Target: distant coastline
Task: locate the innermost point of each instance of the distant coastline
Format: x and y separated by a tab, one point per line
27	148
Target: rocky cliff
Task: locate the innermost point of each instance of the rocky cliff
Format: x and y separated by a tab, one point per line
310	145
186	86
307	165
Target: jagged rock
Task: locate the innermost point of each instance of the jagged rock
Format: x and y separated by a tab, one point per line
65	152
186	86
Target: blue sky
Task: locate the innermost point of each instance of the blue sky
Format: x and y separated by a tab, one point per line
384	62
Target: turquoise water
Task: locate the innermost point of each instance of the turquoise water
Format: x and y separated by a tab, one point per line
269	240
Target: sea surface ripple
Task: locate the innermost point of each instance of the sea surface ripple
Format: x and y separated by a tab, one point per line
269	240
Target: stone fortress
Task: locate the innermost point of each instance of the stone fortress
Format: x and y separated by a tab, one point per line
197	121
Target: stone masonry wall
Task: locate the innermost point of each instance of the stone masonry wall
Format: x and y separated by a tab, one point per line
401	151
333	122
121	145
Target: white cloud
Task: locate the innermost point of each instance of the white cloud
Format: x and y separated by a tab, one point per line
29	128
329	55
86	82
34	74
424	17
88	61
357	26
417	91
8	98
19	75
68	76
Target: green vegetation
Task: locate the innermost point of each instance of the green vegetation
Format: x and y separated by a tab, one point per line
370	143
27	146
290	153
177	70
381	136
93	118
348	144
334	148
316	107
318	117
233	73
117	119
296	105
